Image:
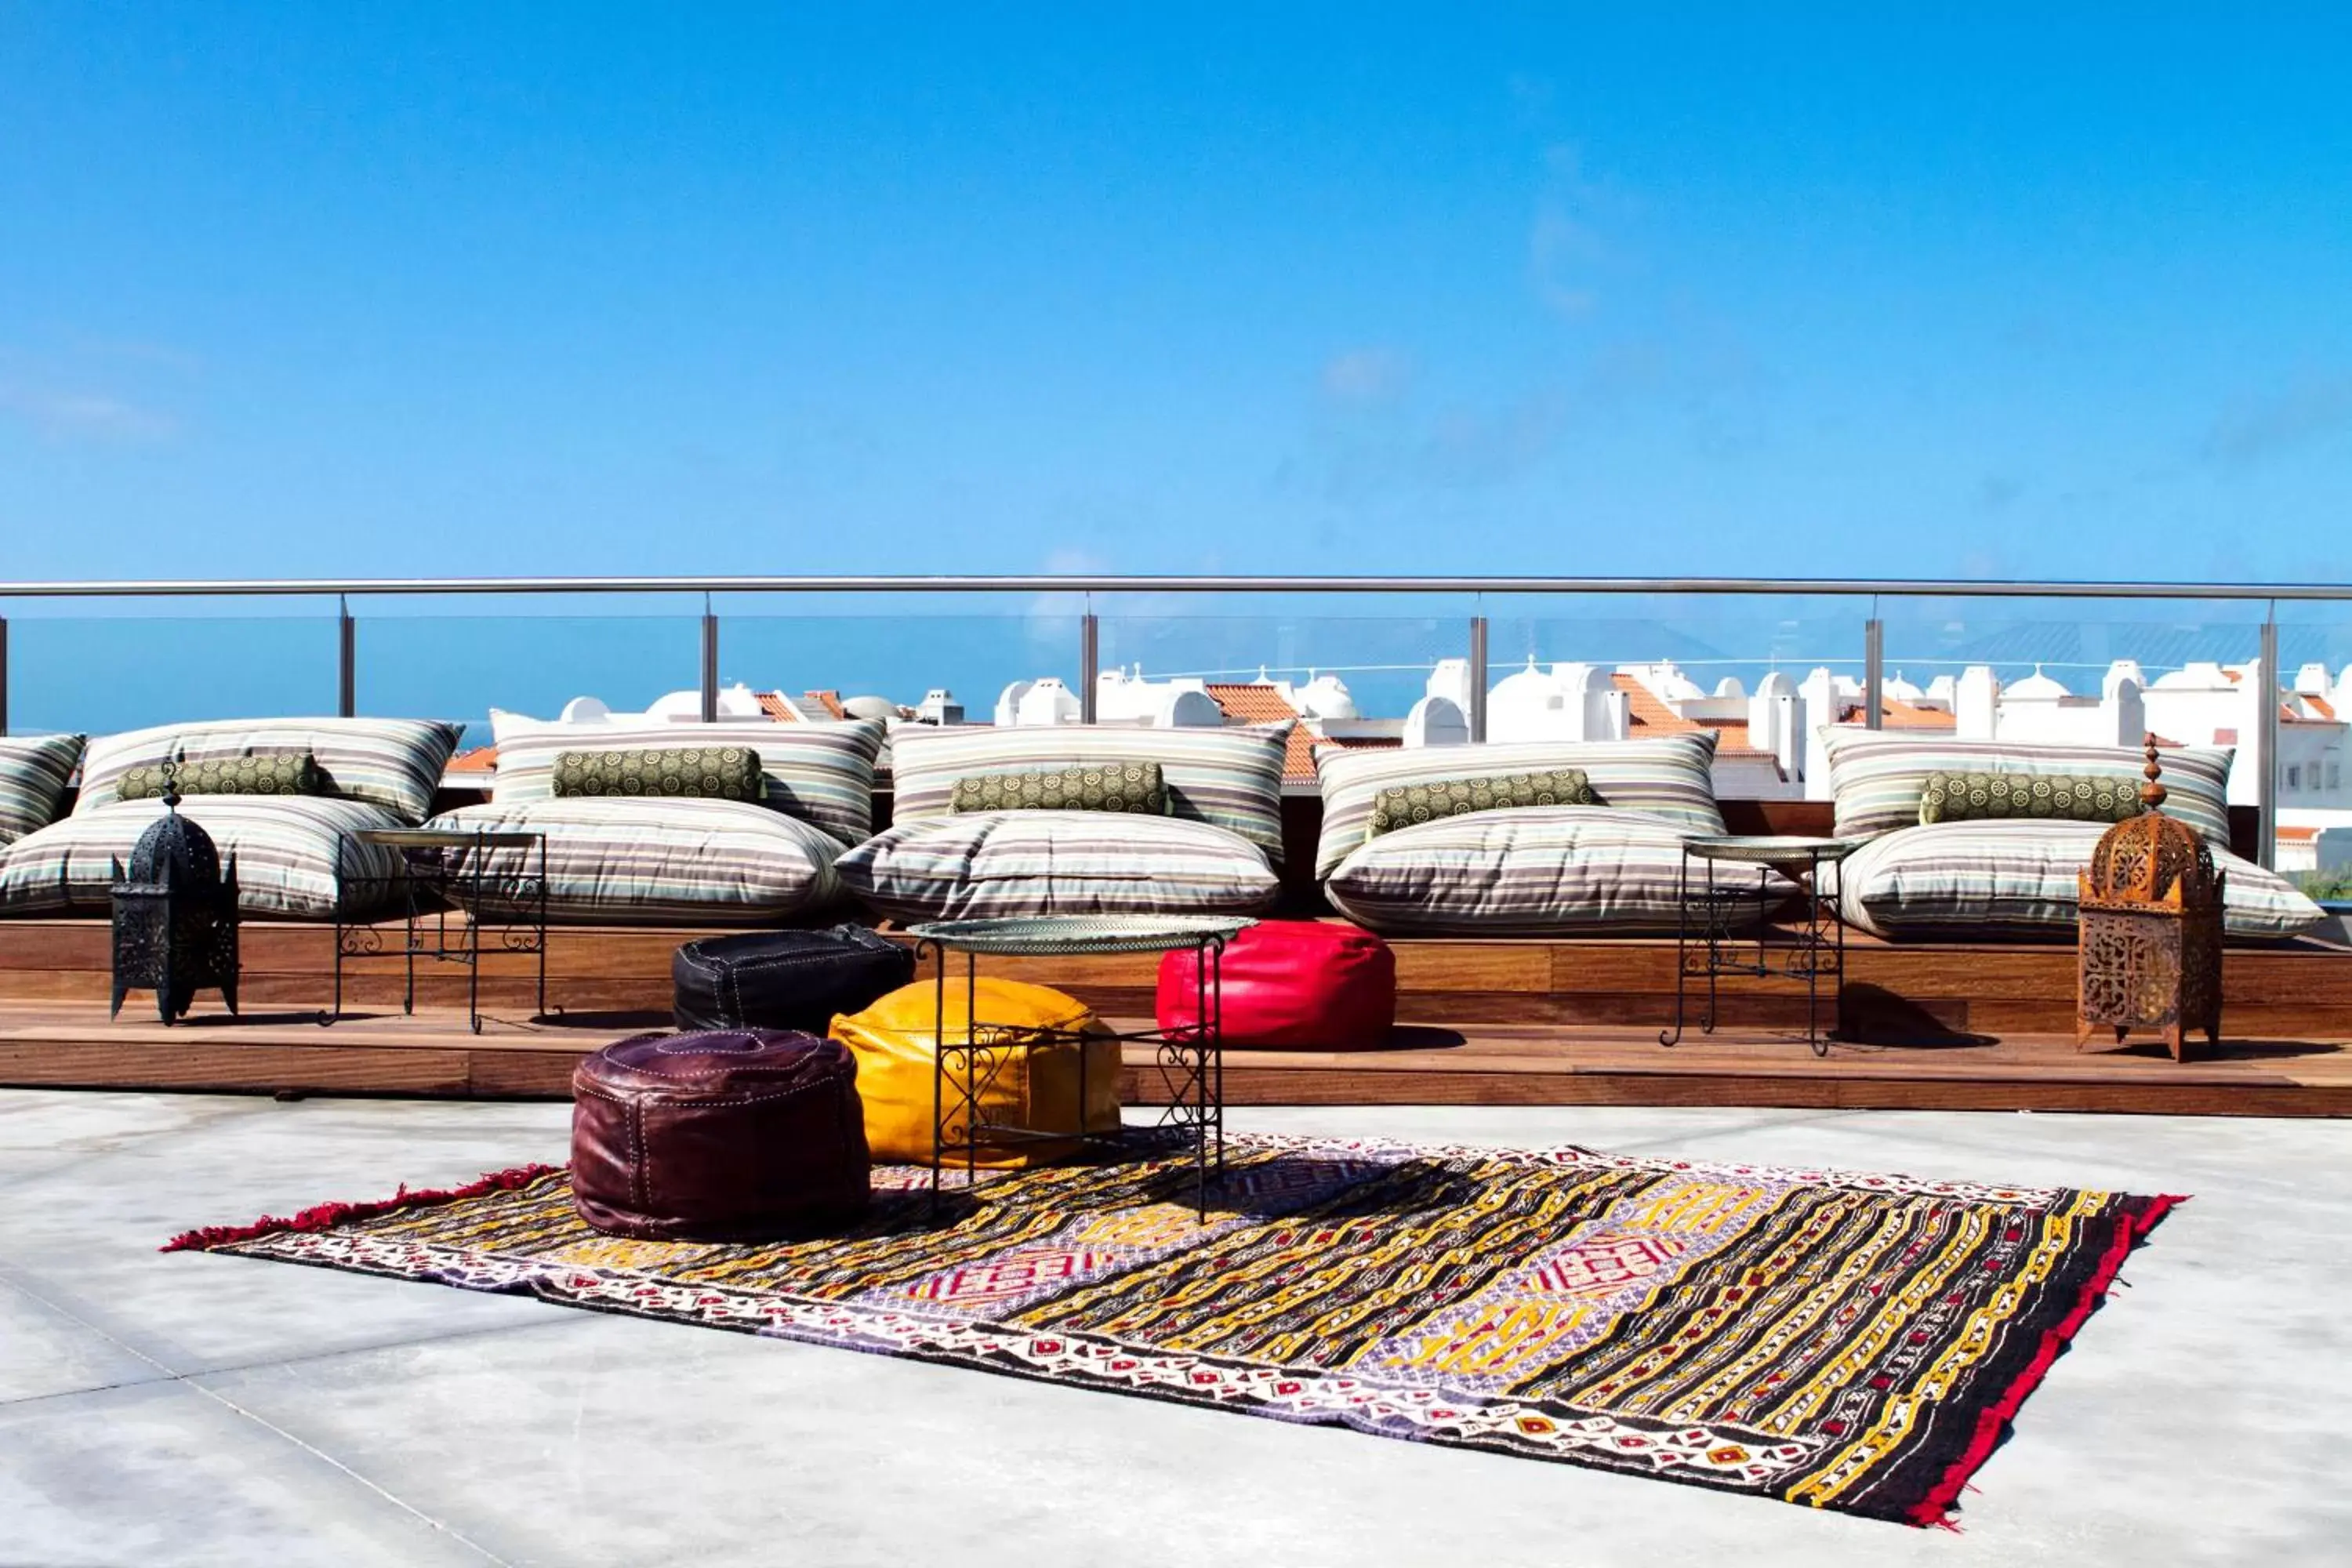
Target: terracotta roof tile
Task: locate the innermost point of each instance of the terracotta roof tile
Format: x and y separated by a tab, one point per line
773	705
2297	834
1645	710
2320	705
1298	754
1247	702
480	760
829	701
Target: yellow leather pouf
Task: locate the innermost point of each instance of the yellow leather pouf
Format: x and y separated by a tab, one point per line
895	1040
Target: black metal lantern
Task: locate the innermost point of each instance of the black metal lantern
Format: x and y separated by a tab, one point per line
174	915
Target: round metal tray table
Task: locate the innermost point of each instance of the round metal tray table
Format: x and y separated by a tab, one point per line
1191	1061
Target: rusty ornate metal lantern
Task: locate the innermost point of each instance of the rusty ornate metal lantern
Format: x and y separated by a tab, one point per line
174	915
2149	920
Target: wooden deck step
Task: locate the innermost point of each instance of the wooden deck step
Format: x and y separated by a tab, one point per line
1501	1063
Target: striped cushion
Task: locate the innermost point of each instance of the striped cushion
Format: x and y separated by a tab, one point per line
1549	870
283	846
1877	778
1670	777
394	762
822	773
975	866
34	770
1978	880
1231	778
660	861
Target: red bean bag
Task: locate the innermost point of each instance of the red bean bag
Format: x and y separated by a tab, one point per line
1312	985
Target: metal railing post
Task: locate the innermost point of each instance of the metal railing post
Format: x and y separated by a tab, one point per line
1089	664
1477	714
347	660
709	663
2266	726
1874	673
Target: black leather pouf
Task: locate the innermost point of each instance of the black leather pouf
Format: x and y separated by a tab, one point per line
784	979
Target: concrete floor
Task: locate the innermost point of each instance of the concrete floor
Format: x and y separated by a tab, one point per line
195	1409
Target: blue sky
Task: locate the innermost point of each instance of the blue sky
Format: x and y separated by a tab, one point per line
311	290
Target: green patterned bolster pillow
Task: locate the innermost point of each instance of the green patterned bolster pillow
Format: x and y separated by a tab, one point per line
280	773
1402	806
2064	798
1134	787
690	773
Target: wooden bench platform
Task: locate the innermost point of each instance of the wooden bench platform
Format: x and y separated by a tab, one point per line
1501	1021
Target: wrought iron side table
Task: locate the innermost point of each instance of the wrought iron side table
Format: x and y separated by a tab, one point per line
1191	1060
511	902
1815	950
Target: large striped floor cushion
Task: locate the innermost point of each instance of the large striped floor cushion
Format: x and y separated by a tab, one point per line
1969	880
662	861
394	762
1545	870
32	774
1229	778
820	773
984	864
1670	778
283	846
1878	776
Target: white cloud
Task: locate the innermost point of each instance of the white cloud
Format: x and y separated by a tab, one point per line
1568	248
61	414
1366	375
2256	428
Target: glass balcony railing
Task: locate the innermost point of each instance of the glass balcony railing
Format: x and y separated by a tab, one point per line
2267	672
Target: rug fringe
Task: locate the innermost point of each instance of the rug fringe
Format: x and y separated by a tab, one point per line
1936	1508
326	1216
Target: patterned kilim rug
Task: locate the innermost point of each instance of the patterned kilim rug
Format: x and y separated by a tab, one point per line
1848	1341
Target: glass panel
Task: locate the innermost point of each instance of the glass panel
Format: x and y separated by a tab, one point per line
900	655
1356	674
2085	671
460	667
1763	671
2090	671
2314	839
102	673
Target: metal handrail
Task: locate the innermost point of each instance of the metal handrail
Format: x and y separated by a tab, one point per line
1830	587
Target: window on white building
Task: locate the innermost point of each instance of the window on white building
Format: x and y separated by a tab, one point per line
2294	775
2334	775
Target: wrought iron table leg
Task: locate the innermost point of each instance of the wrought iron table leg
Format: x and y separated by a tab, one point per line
542	929
474	950
1682	947
938	1059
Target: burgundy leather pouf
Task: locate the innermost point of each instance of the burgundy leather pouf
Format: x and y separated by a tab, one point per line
719	1135
1303	985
